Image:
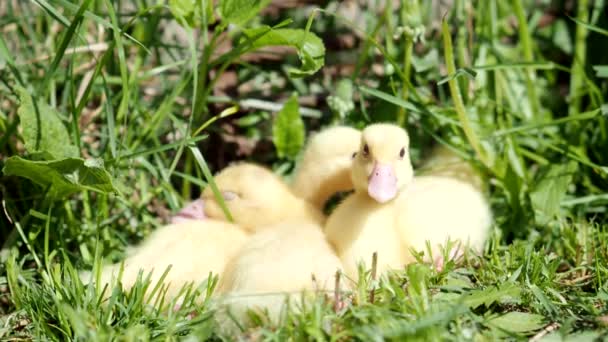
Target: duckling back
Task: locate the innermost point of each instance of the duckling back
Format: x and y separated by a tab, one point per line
193	249
275	265
257	198
444	162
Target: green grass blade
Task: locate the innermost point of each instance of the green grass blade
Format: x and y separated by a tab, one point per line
216	192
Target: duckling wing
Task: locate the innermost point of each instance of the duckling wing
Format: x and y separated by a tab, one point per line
436	208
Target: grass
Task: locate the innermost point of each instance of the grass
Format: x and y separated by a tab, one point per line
133	102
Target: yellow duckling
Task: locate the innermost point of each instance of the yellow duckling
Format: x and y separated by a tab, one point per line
366	221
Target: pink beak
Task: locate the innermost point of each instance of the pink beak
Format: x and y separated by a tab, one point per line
382	184
192	211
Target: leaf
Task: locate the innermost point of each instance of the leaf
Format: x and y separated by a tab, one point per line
517	322
62	177
601	71
190	12
551	190
311	50
506	292
561	36
43	130
288	129
468	72
589	26
238	12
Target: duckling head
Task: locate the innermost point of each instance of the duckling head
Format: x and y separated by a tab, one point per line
254	195
382	167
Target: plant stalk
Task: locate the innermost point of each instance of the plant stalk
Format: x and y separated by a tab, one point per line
457	98
524	38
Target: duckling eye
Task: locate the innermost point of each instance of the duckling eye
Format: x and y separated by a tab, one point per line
365	150
354	155
402	152
229	195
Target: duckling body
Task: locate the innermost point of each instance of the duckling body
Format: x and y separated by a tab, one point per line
436	209
275	265
324	167
192	248
360	226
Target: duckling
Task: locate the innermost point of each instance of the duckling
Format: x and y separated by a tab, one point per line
324	168
257	198
193	248
366	221
275	265
391	211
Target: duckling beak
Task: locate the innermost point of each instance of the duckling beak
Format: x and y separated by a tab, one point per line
382	183
193	211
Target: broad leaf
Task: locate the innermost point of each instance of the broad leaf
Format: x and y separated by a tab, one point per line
43	130
62	177
518	322
311	50
550	191
288	129
238	12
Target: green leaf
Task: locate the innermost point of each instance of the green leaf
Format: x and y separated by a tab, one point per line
468	72
238	12
601	71
551	190
506	292
190	12
62	177
561	36
43	130
311	50
288	129
517	322
590	27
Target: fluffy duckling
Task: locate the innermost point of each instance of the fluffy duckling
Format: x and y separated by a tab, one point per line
324	167
193	248
366	221
257	198
391	211
275	265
